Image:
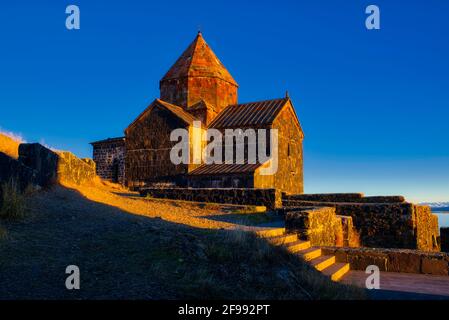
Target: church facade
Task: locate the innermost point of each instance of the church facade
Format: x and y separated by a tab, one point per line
198	88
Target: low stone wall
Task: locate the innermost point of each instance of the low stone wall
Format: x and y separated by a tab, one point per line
52	167
271	198
342	198
74	170
318	225
12	169
42	160
392	260
387	225
322	227
351	237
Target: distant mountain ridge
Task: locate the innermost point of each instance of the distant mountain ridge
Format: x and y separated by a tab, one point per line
437	206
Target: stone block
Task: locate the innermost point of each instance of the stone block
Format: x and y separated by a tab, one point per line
42	160
399	261
435	265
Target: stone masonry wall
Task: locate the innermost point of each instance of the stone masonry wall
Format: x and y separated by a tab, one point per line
386	225
289	176
319	225
73	170
322	227
271	198
109	157
342	198
12	169
148	149
53	167
392	260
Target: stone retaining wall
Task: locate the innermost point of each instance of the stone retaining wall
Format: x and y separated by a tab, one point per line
387	225
392	260
322	227
271	198
343	198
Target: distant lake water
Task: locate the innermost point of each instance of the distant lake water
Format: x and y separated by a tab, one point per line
443	218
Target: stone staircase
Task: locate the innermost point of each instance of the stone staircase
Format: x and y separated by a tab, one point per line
313	255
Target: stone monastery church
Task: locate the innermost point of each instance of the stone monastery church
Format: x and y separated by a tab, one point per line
199	88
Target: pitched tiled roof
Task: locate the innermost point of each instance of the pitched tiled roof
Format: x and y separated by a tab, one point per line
249	114
219	169
178	111
198	60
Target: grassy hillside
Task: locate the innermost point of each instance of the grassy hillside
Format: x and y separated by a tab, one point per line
132	248
9	145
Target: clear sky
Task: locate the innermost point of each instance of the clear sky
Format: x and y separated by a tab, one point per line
374	105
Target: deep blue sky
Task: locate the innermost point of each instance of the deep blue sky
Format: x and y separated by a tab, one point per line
374	105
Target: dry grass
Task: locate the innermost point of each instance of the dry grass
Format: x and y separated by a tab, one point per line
10	145
239	265
13	207
126	252
183	213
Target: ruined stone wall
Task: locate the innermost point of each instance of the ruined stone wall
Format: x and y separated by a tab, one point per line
342	198
427	229
73	170
271	198
392	260
42	160
386	225
53	167
322	227
109	157
148	149
319	225
13	169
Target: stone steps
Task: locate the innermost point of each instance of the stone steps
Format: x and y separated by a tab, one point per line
325	263
337	270
270	232
297	246
284	239
322	262
310	253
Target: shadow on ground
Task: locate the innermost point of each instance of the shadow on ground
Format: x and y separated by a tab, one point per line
127	256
